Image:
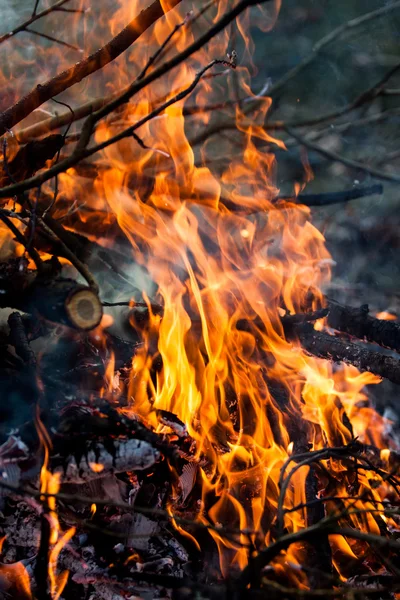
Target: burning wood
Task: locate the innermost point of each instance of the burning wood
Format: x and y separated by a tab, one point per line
194	439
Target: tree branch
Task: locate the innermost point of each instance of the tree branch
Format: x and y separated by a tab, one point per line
326	346
348	162
357	322
33	18
81	151
330	37
99	59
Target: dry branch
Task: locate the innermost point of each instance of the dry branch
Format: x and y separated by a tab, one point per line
81	151
331	37
99	59
35	17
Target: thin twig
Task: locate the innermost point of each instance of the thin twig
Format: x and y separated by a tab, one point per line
35	17
46	36
331	37
79	266
333	156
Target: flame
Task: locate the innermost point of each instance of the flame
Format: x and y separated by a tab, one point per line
386	316
96	467
50	485
16	581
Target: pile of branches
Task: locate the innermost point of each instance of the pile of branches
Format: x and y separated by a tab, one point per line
115	472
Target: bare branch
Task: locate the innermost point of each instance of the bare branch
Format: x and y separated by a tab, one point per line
35	17
53	39
109	52
348	162
80	151
330	37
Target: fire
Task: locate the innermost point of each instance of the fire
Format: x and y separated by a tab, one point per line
224	278
226	261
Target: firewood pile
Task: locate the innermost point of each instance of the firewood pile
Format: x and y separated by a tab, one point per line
183	410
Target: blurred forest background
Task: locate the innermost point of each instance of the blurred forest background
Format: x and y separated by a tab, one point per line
363	235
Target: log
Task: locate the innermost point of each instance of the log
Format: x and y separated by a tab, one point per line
64	301
326	346
357	322
55	299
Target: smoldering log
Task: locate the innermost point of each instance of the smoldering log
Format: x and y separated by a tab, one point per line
54	298
359	323
100	459
326	346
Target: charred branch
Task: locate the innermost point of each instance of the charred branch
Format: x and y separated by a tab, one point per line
358	322
329	347
325	199
41	567
19	340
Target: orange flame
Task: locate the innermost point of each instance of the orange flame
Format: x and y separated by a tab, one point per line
50	485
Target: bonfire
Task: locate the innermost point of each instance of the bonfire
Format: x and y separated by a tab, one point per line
184	409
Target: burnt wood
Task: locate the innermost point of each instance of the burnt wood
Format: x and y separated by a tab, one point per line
326	346
359	323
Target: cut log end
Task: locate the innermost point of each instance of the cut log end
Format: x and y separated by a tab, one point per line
84	309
